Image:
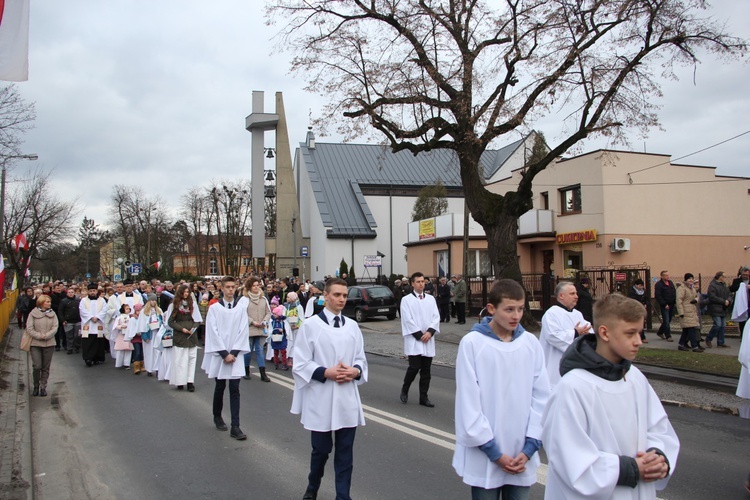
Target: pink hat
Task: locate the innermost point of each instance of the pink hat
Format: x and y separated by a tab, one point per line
279	310
138	307
291	297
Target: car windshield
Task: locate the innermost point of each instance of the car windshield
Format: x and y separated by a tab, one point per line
379	292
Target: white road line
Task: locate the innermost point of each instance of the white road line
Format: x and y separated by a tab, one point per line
411	423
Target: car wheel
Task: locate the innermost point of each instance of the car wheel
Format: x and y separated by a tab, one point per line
391	316
359	316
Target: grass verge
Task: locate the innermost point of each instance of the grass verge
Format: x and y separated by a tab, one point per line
702	362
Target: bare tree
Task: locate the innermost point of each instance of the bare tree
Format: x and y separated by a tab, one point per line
16	118
34	210
459	74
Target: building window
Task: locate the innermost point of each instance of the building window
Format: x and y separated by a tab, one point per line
479	263
245	261
544	201
213	268
570	200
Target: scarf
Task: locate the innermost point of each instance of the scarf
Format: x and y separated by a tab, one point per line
254	297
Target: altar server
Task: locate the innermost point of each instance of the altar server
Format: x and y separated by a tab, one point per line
93	310
606	433
149	323
501	391
561	325
420	322
123	295
226	344
743	387
329	364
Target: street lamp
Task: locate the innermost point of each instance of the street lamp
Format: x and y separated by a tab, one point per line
32	157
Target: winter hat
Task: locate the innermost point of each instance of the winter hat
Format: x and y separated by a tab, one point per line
291	297
275	300
151	296
279	310
137	307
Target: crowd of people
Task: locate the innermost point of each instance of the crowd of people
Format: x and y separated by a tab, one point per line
514	393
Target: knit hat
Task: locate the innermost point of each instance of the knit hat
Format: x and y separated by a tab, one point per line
151	296
279	310
137	307
291	297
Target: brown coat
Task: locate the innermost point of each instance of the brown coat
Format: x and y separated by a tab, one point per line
258	312
42	326
687	311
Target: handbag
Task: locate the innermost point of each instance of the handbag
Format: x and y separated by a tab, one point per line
166	340
277	337
25	342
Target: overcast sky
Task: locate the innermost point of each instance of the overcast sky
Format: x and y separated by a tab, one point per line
155	93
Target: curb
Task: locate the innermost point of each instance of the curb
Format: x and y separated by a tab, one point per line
712	409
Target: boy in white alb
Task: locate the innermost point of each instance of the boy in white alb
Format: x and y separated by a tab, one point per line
227	341
501	391
606	433
329	365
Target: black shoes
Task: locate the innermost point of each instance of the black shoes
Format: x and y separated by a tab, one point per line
310	495
191	387
70	351
460	322
36	391
42	391
180	387
219	423
237	434
426	402
263	375
404	396
247	373
89	363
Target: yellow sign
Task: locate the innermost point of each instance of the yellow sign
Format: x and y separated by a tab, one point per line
427	229
576	237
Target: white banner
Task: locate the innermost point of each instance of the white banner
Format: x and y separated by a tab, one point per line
14	40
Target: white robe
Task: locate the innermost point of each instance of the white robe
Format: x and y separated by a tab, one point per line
740	307
501	392
120	328
743	387
89	310
226	330
183	360
328	406
558	332
113	311
293	320
590	422
163	358
150	353
418	316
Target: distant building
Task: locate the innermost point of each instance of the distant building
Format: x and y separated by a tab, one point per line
206	256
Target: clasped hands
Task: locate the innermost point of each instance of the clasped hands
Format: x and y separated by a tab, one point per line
581	329
231	358
513	465
341	373
651	466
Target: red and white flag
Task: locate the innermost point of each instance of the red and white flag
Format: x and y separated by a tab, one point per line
14	40
2	278
20	240
157	265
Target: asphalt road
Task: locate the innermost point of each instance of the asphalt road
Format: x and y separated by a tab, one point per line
105	433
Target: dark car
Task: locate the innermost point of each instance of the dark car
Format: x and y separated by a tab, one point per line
366	301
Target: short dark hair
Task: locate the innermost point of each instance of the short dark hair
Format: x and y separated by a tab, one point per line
505	289
688	276
226	279
334	281
638	281
617	307
718	275
415	276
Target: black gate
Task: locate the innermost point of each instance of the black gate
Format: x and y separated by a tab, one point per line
607	280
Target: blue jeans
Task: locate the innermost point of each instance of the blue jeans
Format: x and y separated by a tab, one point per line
257	347
666	317
720	326
507	492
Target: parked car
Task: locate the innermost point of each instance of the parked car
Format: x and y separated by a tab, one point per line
367	301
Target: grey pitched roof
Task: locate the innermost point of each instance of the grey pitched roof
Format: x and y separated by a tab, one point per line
337	171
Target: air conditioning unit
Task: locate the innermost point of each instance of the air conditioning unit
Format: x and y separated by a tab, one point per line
621	245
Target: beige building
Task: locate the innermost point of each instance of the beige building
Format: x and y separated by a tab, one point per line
616	208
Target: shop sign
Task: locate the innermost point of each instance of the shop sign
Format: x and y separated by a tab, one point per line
427	229
621	277
576	237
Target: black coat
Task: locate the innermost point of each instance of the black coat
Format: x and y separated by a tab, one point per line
444	294
585	304
718	294
69	310
665	295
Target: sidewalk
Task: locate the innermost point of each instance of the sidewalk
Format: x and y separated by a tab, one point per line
16	473
675	387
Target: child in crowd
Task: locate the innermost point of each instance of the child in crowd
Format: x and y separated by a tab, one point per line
606	433
149	323
501	391
133	335
279	330
123	348
294	315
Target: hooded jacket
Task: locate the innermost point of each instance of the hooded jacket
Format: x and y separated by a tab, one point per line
582	354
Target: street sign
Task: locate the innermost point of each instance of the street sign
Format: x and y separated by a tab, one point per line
88	275
136	269
372	261
304	251
117	276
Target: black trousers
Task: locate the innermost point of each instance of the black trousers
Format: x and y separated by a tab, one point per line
234	399
422	365
445	311
343	459
461	311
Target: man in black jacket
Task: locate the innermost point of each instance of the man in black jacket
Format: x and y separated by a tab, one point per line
71	320
718	303
56	296
665	294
